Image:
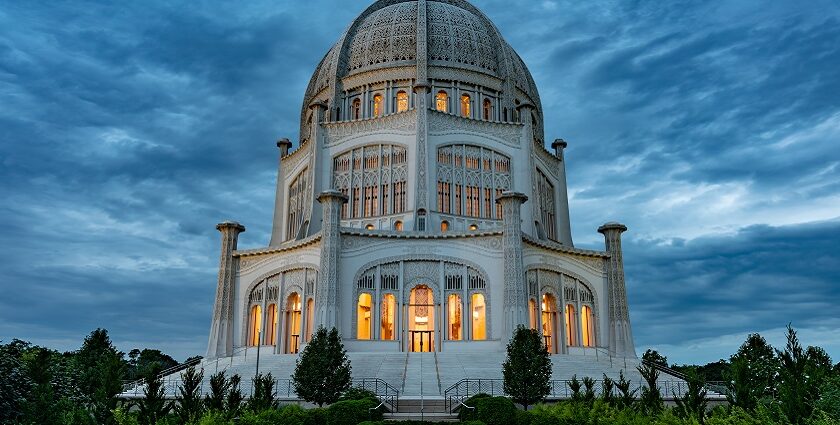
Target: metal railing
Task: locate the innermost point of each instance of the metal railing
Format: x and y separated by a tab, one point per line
284	389
127	386
458	393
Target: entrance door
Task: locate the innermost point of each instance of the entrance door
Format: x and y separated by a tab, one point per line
421	320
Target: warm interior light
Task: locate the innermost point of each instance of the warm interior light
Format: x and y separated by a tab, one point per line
473	227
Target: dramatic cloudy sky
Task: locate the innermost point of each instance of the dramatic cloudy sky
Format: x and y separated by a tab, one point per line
129	129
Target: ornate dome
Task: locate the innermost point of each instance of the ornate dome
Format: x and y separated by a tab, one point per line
457	42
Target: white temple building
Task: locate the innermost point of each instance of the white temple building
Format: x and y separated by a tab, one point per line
421	212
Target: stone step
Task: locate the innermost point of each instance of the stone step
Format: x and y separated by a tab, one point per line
428	417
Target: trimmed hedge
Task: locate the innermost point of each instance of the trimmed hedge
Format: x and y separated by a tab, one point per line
352	412
496	411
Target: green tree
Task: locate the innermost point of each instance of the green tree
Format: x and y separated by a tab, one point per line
219	387
796	392
654	357
608	391
626	396
588	390
322	372
41	404
743	390
233	401
693	403
650	400
14	381
190	406
264	397
153	407
100	369
141	360
819	366
527	368
759	368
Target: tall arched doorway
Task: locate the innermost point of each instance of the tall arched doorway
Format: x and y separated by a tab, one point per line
421	320
293	316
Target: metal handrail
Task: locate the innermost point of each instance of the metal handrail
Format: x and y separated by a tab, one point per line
166	372
455	395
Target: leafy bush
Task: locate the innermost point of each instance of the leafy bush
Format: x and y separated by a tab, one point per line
316	416
351	412
214	418
465	414
496	411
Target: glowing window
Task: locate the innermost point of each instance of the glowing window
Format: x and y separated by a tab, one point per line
255	326
587	327
442	101
398	226
473	227
444	226
389	312
549	316
293	323
310	318
571	326
465	106
488	110
479	314
369	227
455	331
402	101
271	325
364	316
357	109
532	313
377	105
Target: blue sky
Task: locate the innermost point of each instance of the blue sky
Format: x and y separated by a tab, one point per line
129	129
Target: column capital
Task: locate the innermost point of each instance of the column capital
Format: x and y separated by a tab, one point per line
421	85
228	225
285	145
332	196
508	196
612	227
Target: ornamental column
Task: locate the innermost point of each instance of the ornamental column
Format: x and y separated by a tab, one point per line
326	294
515	302
221	330
279	198
621	336
562	204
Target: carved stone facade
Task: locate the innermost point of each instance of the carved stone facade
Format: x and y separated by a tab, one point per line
457	227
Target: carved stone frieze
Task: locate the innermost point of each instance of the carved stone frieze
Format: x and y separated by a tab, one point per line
340	132
443	124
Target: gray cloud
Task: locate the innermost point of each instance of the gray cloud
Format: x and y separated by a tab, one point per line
128	130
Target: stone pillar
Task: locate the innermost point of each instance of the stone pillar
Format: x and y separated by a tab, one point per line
321	176
421	194
516	299
562	204
279	198
620	334
326	293
221	330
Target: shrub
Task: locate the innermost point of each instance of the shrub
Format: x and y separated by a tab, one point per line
524	417
214	418
322	373
496	411
465	414
316	416
351	412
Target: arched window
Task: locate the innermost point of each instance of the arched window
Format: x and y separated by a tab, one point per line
398	226
455	325
310	318
293	323
571	326
488	110
469	180
465	106
369	227
421	220
545	193
357	109
364	311
254	326
402	101
549	319
442	101
373	177
444	226
389	318
377	105
587	326
271	325
479	316
473	227
297	204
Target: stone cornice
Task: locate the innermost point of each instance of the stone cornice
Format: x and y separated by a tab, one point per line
554	246
390	234
287	246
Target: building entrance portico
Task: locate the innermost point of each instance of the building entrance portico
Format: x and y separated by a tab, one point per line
421	320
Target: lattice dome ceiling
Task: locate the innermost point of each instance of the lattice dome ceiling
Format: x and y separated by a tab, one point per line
385	37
